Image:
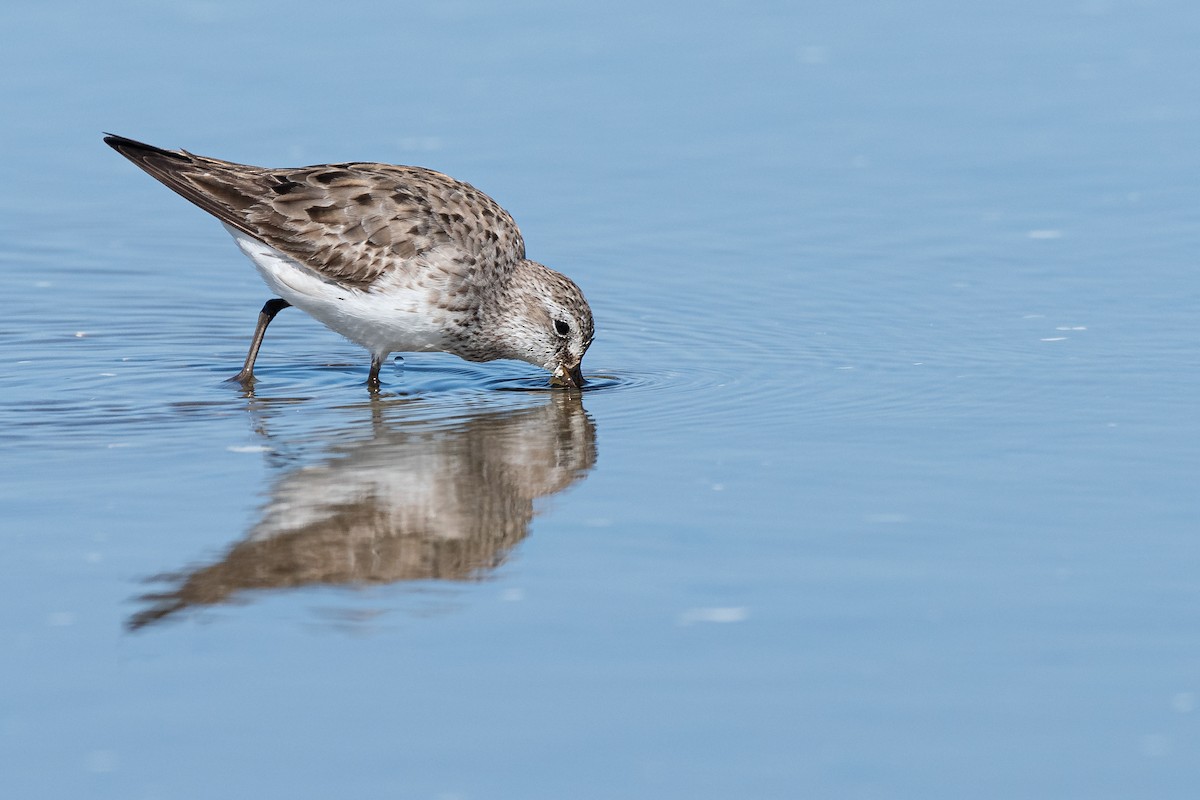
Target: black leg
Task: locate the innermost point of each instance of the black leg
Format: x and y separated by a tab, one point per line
373	375
269	310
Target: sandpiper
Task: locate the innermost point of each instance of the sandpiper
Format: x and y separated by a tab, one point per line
394	258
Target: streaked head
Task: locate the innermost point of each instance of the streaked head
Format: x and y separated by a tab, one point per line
546	321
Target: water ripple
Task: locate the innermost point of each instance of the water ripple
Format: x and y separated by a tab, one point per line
665	355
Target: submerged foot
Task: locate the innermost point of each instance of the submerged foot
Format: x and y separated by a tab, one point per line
373	375
246	379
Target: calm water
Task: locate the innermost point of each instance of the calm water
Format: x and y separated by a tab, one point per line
887	485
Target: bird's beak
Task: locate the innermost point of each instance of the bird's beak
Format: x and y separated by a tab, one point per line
569	377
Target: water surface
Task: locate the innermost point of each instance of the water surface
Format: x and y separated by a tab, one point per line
884	487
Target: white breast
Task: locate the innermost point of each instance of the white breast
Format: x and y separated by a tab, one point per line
389	317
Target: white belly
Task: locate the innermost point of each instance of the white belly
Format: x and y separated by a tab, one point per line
384	319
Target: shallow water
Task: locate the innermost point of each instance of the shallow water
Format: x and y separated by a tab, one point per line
884	484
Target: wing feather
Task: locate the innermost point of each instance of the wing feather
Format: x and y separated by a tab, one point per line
351	223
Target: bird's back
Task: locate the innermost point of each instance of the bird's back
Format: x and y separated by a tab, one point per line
352	223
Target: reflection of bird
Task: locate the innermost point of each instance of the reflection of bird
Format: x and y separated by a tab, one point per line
416	503
393	258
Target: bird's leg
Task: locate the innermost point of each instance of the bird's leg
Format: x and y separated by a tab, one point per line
269	310
373	375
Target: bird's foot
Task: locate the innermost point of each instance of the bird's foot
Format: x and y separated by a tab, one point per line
246	379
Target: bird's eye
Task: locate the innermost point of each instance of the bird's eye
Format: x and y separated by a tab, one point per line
561	327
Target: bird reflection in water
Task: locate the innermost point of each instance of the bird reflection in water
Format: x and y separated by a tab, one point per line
419	500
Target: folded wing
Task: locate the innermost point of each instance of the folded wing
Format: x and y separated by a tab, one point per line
351	223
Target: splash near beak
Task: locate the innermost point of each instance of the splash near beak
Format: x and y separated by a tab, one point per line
568	377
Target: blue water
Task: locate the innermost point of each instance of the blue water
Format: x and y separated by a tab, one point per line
886	485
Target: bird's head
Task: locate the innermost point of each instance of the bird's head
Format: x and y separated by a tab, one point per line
546	321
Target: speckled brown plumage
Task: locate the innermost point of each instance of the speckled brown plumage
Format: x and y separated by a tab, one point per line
438	250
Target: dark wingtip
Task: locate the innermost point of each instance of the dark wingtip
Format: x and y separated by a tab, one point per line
133	149
117	142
